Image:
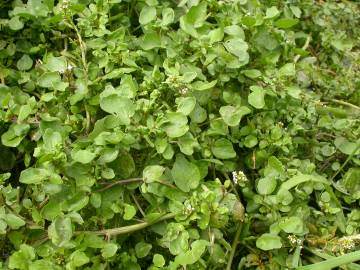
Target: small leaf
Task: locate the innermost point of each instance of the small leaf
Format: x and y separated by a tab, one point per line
129	212
256	97
176	125
49	80
13	221
186	175
272	12
24	63
292	225
109	250
15	23
168	16
232	115
60	231
122	107
223	149
147	15
33	176
151	40
266	186
286	23
158	260
152	173
268	241
142	249
238	47
56	64
201	86
83	156
79	258
198	247
185	104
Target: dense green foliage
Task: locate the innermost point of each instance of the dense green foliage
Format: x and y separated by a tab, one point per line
193	134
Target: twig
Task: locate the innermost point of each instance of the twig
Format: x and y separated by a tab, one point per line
233	247
127	229
121	182
307	42
138	205
345	103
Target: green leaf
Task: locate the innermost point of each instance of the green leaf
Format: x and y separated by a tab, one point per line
176	124
142	249
347	147
158	260
49	80
250	141
272	12
79	258
287	70
168	16
122	107
232	115
185	104
256	97
83	156
268	241
198	247
109	250
266	186
60	231
129	212
147	15
286	23
15	23
194	19
151	40
21	258
252	73
239	48
216	35
187	144
223	149
202	86
15	134
24	63
186	175
13	221
56	64
34	176
292	225
152	173
301	178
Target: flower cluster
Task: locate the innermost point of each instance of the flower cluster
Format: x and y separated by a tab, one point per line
239	178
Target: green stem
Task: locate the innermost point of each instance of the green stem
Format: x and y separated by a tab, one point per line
121	182
345	103
233	247
128	229
333	262
327	256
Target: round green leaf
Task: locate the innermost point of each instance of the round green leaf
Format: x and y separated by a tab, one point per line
24	63
223	149
268	241
147	15
186	175
266	186
122	107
